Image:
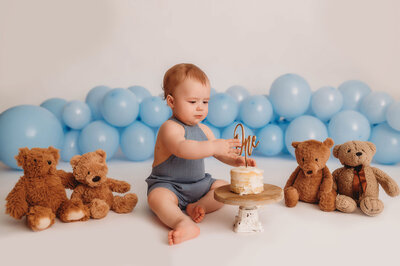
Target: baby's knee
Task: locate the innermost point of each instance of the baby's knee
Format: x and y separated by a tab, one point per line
219	183
161	195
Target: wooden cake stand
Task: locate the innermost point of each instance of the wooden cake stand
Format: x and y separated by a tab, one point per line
247	219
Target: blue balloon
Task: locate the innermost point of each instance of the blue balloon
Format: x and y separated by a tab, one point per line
215	130
76	114
393	115
120	107
94	99
223	109
349	125
227	133
387	142
212	92
290	95
154	111
304	128
374	106
239	93
70	146
99	135
283	125
27	126
326	102
271	140
56	106
256	111
140	92
353	91
137	141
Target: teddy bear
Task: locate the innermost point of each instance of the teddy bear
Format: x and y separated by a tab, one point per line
40	193
312	181
95	189
357	182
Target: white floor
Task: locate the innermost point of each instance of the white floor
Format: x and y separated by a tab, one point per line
303	235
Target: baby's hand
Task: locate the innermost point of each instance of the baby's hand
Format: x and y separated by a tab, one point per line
226	147
240	161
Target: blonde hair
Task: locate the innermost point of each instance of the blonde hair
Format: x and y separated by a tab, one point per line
178	73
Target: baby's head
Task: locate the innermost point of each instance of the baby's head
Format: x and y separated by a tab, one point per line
187	91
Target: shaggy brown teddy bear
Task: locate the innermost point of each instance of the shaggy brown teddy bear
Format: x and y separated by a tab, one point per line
40	193
358	182
95	188
312	181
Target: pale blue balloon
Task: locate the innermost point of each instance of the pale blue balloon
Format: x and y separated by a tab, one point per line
255	111
140	92
239	93
154	111
213	91
393	115
304	128
76	114
326	102
137	141
94	99
353	91
374	105
223	109
227	133
215	130
56	106
27	126
271	140
70	147
349	125
290	95
99	135
119	107
283	125
387	142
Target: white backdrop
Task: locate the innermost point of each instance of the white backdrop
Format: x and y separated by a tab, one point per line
51	48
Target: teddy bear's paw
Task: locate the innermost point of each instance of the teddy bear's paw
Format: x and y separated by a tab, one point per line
75	215
124	204
345	204
40	218
371	206
291	197
327	202
98	208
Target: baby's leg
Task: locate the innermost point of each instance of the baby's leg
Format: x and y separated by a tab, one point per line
164	204
206	204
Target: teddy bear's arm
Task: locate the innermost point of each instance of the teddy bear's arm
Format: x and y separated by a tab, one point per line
389	185
118	186
327	183
293	177
335	176
67	179
17	206
77	193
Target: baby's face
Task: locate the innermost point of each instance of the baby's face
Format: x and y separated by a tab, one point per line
190	101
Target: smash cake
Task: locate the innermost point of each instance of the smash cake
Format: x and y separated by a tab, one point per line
247	180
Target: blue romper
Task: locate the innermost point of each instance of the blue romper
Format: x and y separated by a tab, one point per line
186	178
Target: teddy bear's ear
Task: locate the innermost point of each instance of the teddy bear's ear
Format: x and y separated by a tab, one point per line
21	157
371	146
329	142
102	153
53	151
74	160
336	151
295	144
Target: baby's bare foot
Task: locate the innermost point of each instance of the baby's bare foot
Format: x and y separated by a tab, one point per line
196	212
183	231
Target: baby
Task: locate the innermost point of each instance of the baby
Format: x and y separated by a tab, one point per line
178	180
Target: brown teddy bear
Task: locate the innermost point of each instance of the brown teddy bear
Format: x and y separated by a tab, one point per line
40	193
357	182
95	188
312	181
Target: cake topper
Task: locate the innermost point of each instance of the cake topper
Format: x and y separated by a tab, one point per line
248	143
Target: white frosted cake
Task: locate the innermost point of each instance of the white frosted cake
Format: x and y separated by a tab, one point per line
247	180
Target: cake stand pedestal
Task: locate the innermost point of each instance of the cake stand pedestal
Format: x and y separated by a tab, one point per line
247	219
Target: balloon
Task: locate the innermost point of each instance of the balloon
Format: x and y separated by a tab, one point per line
290	95
326	102
239	93
99	135
140	92
222	110
215	130
154	111
212	92
255	111
70	146
56	106
349	125
27	126
374	106
227	133
353	91
137	141
387	142
304	128
119	107
283	125
76	114
271	140
94	99
393	115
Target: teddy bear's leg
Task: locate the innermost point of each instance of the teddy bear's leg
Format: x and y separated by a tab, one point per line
124	204
291	196
327	201
72	211
371	206
40	218
345	204
98	208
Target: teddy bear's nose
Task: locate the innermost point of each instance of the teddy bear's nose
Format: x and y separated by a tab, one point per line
96	179
309	172
359	153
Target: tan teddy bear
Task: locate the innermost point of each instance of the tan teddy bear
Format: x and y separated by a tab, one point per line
95	188
358	182
312	181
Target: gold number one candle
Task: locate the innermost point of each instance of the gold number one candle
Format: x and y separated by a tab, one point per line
248	143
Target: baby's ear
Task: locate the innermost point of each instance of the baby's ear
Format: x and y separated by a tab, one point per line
371	146
53	151
336	151
170	100
329	142
74	160
21	157
295	144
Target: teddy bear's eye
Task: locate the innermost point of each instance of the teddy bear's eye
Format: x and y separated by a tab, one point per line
34	160
88	172
316	159
302	159
49	162
348	150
